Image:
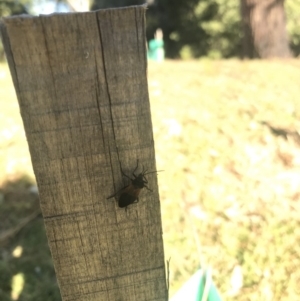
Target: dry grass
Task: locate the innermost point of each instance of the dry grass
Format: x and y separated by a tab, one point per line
230	182
230	191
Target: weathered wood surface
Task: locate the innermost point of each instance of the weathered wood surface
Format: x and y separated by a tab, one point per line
82	89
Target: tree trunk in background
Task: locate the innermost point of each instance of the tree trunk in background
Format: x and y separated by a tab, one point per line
264	27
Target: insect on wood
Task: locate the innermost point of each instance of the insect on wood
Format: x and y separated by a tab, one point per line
130	193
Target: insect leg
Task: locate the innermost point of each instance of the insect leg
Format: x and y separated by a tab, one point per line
113	195
123	173
144	170
148	188
137	165
145	180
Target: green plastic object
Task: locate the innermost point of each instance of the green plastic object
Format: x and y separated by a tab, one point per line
156	50
199	287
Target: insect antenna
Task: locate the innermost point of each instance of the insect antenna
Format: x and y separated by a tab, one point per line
147	173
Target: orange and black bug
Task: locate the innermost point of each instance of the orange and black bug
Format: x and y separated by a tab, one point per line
130	193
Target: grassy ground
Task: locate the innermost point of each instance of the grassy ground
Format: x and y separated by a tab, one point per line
230	191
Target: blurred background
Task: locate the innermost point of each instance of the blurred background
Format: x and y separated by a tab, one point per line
225	105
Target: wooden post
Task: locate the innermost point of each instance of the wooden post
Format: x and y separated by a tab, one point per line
82	89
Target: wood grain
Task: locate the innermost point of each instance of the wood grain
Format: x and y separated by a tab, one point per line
81	84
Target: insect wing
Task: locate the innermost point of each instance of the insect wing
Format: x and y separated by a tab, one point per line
128	196
125	200
118	192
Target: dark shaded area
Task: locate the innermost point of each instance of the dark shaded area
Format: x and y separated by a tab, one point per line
22	226
183	24
245	28
101	4
179	19
12	8
248	49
